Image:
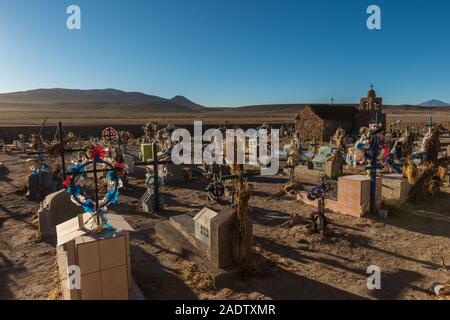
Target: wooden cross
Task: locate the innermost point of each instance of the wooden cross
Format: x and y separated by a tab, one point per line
239	177
62	151
374	151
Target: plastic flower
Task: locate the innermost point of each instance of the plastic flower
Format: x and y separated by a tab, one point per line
96	152
66	182
119	166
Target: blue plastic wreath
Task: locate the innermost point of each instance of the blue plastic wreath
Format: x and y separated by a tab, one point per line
111	197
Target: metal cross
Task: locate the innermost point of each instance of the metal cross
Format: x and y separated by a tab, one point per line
155	163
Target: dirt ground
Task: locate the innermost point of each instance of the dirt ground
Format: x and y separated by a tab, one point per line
408	247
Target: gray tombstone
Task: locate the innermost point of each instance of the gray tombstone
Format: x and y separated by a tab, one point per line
174	174
56	209
216	231
129	161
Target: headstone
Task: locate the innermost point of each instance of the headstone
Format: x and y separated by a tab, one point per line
395	188
103	259
56	209
304	174
212	234
203	225
146	151
333	166
353	196
129	161
321	156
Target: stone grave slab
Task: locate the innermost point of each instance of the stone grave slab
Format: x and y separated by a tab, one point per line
209	236
353	196
56	208
395	189
103	259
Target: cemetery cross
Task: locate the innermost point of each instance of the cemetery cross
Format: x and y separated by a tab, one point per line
61	150
155	163
95	171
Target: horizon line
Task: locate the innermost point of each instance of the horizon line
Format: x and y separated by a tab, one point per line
218	106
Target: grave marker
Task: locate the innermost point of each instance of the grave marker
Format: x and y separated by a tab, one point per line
103	259
56	209
154	192
203	225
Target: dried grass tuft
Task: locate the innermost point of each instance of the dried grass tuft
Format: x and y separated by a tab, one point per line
197	279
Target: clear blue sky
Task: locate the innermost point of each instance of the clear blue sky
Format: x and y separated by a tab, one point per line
229	53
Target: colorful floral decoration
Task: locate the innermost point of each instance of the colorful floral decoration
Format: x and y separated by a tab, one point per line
74	181
41	167
95	152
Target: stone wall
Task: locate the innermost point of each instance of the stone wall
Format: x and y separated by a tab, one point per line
309	126
363	118
331	127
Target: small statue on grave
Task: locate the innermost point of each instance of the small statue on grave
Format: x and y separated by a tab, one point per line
125	137
36	142
41	180
148	199
20	144
150	130
338	140
292	161
403	147
430	146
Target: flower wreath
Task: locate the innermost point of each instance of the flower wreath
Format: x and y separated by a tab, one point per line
96	155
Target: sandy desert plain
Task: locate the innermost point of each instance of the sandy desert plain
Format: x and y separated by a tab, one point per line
23	114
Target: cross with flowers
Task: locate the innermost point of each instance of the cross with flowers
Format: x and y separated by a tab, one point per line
78	173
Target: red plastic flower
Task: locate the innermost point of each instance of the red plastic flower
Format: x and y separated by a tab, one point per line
97	152
66	182
119	166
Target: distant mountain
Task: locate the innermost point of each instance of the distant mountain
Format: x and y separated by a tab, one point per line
185	102
434	103
111	96
77	96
